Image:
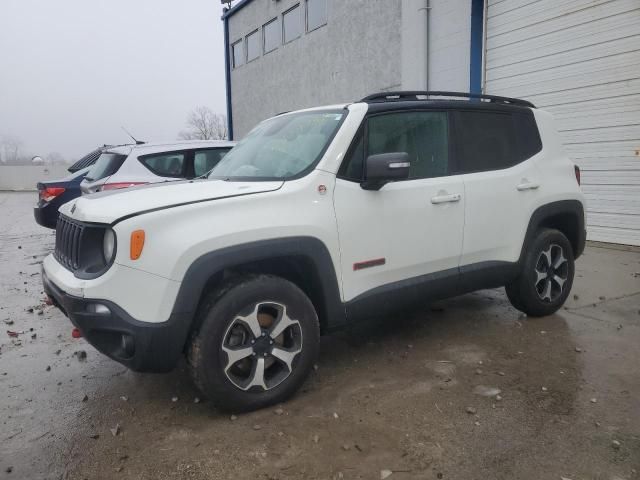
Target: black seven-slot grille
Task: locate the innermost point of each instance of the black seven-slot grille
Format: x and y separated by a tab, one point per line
68	240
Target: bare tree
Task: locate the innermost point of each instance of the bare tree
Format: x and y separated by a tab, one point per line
204	124
10	149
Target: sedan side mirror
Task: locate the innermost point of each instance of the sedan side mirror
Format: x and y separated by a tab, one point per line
384	168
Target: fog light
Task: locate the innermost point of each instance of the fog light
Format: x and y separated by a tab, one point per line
128	345
98	309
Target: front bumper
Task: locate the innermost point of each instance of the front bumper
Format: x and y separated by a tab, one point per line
141	346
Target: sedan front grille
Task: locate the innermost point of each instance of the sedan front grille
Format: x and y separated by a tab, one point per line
69	235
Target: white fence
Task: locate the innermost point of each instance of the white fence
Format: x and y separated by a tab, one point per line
19	177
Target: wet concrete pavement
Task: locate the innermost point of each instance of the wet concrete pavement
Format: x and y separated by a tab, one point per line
404	394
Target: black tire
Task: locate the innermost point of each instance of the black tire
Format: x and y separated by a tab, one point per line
219	322
538	295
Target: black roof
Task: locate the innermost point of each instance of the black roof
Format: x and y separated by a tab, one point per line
412	96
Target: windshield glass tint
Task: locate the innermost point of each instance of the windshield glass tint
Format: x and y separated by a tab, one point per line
107	165
281	147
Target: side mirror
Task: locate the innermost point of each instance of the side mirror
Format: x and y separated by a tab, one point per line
384	168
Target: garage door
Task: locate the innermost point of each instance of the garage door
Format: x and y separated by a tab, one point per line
580	60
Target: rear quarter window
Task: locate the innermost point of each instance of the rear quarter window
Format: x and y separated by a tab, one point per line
170	164
105	166
489	140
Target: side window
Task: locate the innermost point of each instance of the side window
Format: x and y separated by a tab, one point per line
291	24
423	135
205	160
486	141
271	35
165	164
352	167
253	46
316	14
237	55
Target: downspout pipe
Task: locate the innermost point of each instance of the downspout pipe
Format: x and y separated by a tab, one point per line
227	72
423	43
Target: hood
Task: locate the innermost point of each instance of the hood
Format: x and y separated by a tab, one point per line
108	207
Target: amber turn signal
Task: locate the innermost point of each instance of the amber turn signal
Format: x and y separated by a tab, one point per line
137	244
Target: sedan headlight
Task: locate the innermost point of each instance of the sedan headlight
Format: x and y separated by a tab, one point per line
108	245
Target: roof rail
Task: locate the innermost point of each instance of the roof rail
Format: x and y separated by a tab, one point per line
415	95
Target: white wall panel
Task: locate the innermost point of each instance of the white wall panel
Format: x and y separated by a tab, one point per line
580	60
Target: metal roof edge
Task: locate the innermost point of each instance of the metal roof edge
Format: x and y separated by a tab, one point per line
230	11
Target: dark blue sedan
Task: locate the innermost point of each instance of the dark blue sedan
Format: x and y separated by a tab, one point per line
54	193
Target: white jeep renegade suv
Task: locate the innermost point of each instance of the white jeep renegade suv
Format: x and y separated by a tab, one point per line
316	219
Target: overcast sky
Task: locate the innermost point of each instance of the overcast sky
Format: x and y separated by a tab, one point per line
73	71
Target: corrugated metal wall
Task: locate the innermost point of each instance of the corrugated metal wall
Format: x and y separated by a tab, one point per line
580	60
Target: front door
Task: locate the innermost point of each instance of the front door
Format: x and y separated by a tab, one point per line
394	238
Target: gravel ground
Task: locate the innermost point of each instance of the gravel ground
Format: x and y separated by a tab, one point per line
462	389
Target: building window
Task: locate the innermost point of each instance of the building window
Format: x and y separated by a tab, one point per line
316	14
253	46
237	55
271	35
292	24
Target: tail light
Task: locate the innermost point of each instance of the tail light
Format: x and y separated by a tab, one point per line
119	185
49	193
577	171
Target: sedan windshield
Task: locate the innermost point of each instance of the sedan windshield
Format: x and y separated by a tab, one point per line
280	148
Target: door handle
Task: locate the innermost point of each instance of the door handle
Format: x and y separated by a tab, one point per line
454	197
527	186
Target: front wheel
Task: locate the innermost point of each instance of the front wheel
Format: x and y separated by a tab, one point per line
257	342
546	277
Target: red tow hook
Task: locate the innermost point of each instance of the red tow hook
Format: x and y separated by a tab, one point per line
76	333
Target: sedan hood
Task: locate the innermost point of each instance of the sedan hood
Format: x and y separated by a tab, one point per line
108	207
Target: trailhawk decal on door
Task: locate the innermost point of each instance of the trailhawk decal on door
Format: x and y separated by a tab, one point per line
376	262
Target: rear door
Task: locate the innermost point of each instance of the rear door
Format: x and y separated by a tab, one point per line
502	184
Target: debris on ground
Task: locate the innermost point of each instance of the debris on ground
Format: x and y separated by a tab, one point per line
233	418
486	391
257	427
9	469
85	398
594	400
545	389
81	354
8	321
13	334
578	349
278	411
115	430
124	398
385	474
48	369
174	399
616	444
196	400
316	439
471	410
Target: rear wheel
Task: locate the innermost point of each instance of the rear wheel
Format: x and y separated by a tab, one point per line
257	342
546	277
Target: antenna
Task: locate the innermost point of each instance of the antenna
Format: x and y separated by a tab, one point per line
138	142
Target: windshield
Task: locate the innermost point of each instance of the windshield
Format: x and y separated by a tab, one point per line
281	147
107	165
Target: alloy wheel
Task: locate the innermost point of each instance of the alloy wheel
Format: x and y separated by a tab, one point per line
261	347
552	272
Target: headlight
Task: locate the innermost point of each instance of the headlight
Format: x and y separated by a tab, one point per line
108	245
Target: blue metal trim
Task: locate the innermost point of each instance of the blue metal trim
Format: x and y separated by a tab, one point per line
230	11
227	75
477	27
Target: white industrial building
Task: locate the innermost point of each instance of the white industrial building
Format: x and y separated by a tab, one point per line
579	59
